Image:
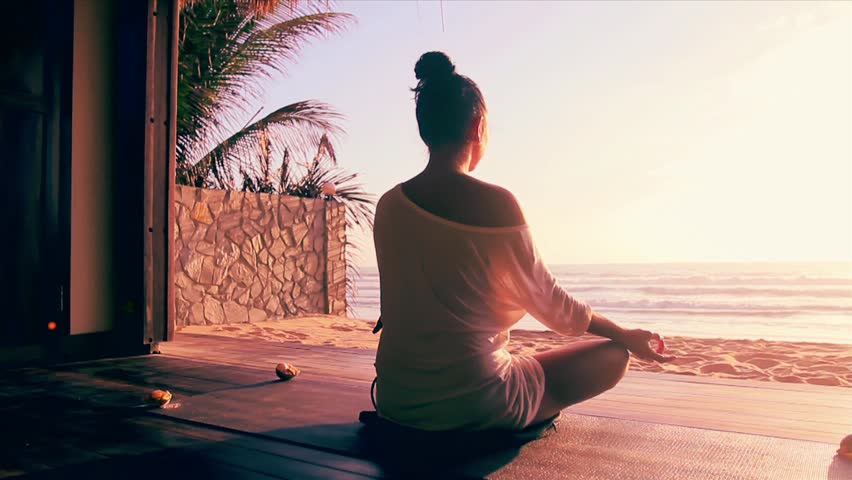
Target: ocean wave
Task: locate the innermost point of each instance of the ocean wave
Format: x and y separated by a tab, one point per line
707	280
705	307
679	280
699	291
372	288
684	307
742	291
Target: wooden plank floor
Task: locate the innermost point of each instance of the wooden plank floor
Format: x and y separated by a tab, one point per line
782	410
232	419
87	420
319	412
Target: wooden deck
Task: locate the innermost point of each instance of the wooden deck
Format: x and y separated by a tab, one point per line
782	410
234	420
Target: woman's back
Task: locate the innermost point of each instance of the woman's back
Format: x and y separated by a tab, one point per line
447	303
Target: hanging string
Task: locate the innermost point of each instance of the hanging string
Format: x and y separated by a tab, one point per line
442	17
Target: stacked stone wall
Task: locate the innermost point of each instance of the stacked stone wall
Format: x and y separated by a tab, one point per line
248	257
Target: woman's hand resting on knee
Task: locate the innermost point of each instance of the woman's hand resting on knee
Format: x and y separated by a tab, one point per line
635	340
638	342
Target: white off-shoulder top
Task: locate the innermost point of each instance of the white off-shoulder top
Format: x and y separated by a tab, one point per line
450	292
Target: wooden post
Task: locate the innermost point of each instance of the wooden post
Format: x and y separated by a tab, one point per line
159	190
170	315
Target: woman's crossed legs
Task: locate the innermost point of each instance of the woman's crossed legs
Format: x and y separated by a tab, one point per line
578	372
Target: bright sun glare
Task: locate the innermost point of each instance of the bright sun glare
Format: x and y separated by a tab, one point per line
753	162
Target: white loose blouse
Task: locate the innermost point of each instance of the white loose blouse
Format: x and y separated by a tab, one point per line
450	292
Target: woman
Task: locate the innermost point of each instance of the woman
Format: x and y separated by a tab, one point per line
457	268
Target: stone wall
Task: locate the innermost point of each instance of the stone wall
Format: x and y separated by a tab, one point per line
248	257
335	277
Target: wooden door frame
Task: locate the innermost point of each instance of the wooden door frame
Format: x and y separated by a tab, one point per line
159	188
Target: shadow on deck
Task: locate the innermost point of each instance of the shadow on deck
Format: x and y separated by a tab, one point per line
231	419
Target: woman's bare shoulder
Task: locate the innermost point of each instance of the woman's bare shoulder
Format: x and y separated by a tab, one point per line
496	205
466	200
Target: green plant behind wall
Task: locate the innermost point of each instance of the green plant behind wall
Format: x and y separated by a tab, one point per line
228	48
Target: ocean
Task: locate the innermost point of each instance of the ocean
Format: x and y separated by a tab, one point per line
802	302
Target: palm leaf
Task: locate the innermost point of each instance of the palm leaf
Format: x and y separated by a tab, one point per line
261	7
225	54
292	127
254	7
325	149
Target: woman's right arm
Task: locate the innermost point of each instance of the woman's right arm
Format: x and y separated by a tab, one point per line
636	340
541	295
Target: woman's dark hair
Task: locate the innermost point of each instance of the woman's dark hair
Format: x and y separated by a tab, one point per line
447	103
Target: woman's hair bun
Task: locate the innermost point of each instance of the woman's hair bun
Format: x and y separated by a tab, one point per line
434	65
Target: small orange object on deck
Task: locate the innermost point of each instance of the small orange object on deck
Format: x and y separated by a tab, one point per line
159	397
285	371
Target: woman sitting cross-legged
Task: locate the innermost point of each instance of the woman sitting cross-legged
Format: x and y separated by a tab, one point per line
458	268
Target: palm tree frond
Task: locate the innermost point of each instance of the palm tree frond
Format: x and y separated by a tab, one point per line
325	149
252	7
292	127
226	53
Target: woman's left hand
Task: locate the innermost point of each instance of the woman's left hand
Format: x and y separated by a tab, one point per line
638	342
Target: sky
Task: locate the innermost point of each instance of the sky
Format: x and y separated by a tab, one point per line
629	131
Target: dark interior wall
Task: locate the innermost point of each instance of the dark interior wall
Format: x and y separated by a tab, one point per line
92	139
108	144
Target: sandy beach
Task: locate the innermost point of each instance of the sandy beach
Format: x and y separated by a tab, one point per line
794	362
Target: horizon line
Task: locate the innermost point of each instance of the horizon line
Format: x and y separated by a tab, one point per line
690	262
